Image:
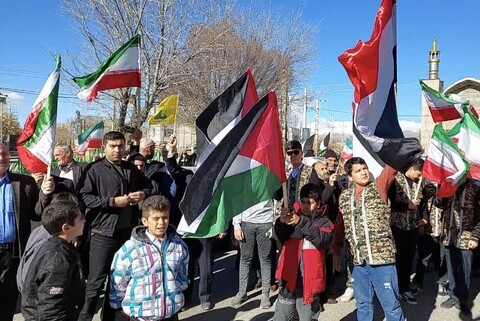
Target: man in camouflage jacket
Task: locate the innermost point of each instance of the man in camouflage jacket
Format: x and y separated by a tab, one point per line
364	220
405	201
461	232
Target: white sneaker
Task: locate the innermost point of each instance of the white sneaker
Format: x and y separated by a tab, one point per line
348	295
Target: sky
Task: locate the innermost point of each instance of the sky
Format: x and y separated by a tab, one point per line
32	31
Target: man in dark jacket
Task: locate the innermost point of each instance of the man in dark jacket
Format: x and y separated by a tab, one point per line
19	194
53	288
68	167
111	192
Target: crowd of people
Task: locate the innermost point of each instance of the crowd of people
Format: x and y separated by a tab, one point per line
110	227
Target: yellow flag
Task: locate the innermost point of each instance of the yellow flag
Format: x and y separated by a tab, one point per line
166	113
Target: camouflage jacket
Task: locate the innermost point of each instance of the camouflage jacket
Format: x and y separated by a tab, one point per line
435	220
461	217
295	185
367	226
400	195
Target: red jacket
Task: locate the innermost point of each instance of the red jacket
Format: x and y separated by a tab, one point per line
307	240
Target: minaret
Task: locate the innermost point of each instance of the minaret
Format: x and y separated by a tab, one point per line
433	61
433	82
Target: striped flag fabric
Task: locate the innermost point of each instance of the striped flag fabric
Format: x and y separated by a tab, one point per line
372	69
347	151
223	113
120	70
37	140
445	107
166	113
324	144
444	163
467	136
91	138
241	173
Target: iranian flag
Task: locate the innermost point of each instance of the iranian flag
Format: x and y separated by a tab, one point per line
467	136
444	163
120	70
37	139
347	151
444	107
91	138
241	173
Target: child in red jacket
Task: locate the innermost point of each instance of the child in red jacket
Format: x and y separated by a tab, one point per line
305	235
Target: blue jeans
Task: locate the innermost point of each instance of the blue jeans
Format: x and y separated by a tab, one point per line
379	279
459	266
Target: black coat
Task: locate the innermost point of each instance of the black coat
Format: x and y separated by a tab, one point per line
103	182
78	169
25	197
54	286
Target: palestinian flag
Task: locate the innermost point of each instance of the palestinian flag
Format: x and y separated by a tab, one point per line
223	113
347	151
241	173
467	136
372	69
120	70
91	138
444	107
37	140
308	147
444	163
324	144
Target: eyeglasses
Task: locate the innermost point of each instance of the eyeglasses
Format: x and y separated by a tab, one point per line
293	152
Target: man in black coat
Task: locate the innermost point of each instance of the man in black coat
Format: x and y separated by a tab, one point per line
68	167
19	194
111	192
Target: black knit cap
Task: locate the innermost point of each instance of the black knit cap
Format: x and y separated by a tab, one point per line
293	144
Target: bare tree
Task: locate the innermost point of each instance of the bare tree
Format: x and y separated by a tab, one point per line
192	47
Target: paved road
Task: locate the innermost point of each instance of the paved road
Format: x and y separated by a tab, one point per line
225	286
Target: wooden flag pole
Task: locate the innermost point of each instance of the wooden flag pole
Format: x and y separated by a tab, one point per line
285	195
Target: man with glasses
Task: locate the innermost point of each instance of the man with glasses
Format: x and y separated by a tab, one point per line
298	175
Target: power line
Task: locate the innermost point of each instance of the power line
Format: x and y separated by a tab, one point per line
35	93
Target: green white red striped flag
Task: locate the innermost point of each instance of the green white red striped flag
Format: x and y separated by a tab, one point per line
444	163
241	173
444	107
91	138
466	134
120	70
37	139
347	151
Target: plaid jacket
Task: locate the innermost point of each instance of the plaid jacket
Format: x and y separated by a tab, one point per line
147	279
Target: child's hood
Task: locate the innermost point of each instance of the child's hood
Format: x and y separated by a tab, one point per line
139	233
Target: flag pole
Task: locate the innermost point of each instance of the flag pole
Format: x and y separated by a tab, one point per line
285	195
49	171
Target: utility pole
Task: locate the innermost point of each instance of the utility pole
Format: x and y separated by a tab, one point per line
317	110
3	100
305	109
285	113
